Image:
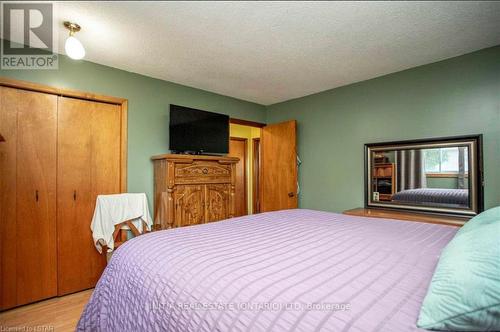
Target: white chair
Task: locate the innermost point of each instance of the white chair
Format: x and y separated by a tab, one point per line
115	215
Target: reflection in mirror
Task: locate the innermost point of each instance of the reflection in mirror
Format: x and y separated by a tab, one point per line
433	176
436	176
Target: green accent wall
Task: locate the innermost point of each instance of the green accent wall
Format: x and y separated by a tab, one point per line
446	183
456	96
148	107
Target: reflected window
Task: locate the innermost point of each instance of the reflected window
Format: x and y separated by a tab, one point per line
446	160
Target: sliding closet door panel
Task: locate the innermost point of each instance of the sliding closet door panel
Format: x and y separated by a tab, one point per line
104	167
36	196
74	198
89	165
105	163
8	231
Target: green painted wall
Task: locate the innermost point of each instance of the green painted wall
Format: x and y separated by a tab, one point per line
447	183
452	97
148	110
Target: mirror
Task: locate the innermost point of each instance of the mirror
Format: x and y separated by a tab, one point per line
433	175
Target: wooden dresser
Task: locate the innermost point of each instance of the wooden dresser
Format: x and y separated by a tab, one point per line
191	189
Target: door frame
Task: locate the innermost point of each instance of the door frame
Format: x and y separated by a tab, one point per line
247	123
245	177
122	102
256	174
256	195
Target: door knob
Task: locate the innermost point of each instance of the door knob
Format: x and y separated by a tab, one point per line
291	194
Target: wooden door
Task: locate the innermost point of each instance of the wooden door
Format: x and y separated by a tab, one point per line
105	173
88	165
27	196
189	203
36	196
278	176
256	174
8	187
217	202
238	149
73	194
106	149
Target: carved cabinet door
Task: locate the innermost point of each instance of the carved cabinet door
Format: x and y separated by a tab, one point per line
189	202
217	202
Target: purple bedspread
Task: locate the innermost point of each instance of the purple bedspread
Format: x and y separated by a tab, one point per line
293	270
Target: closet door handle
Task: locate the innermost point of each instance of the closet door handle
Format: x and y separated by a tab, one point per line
74	195
36	195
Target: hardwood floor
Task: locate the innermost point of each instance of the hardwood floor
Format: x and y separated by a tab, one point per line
57	314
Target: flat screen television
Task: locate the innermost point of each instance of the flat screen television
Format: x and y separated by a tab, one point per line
197	131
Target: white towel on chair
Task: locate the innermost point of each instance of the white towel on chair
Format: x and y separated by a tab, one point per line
111	210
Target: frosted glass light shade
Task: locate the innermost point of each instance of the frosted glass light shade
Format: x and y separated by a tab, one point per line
74	48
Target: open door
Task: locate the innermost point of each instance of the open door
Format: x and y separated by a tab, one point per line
278	172
238	149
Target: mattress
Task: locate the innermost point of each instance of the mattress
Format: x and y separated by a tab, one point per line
291	270
434	196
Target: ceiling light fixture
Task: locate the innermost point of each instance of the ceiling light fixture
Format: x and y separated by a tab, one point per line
74	48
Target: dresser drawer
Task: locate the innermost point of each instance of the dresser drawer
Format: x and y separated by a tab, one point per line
202	172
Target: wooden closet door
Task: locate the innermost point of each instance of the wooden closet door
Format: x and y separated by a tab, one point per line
28	199
88	165
105	172
8	164
74	199
106	149
36	197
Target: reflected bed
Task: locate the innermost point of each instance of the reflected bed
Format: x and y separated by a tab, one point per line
297	270
433	196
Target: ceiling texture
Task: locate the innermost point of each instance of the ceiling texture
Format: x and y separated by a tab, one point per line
269	52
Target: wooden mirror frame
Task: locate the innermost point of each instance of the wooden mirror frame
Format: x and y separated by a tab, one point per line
476	174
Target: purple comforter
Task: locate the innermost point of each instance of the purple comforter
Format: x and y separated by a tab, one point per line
293	270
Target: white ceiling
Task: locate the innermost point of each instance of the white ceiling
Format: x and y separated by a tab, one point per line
268	52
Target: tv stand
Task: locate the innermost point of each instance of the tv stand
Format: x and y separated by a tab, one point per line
193	190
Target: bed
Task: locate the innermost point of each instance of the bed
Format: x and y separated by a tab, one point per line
433	196
299	270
